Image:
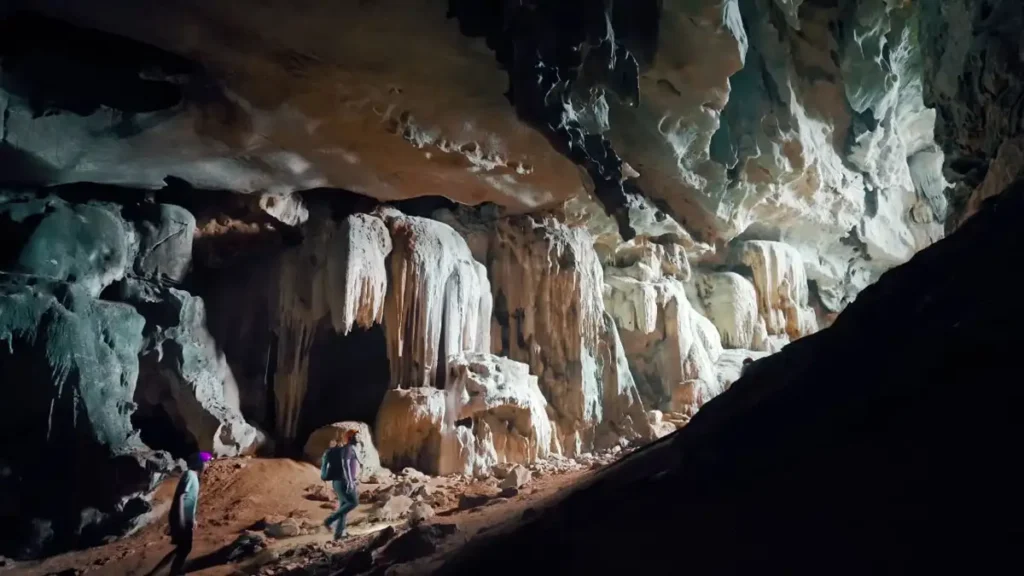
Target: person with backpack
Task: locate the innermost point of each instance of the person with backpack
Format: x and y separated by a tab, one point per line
340	466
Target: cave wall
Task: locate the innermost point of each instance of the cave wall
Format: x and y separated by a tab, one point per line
87	307
972	69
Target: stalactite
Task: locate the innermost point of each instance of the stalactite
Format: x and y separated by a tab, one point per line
357	272
439	303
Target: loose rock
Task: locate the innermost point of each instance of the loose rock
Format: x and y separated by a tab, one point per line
516	478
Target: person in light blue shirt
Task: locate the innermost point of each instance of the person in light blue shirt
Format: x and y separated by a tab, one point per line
182	518
340	465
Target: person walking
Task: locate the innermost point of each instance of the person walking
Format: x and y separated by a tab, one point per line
340	466
182	518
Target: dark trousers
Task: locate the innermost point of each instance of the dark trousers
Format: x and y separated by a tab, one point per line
182	540
347	501
184	548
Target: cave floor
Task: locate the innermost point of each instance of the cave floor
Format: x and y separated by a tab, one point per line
238	496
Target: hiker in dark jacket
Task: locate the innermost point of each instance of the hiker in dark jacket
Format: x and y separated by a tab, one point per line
341	466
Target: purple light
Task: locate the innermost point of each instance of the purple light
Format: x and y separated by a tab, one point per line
205	456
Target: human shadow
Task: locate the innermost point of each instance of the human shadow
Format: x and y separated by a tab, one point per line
218	557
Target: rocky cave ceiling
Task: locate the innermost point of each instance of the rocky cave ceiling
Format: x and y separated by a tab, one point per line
812	131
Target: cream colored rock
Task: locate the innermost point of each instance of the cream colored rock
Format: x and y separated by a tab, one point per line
286	208
781	284
498	400
320	440
550	314
440	301
670	346
338	272
517	477
491	412
408	429
731	303
392	509
655	416
358	272
648	221
782	126
420	512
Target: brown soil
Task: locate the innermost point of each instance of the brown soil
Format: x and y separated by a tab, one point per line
238	494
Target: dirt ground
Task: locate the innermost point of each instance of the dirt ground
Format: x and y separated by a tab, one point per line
237	495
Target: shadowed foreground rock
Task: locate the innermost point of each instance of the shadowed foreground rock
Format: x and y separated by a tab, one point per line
885	444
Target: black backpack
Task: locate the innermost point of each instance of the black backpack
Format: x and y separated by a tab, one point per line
335	465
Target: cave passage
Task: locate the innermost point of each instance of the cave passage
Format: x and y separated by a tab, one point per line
348	376
158	431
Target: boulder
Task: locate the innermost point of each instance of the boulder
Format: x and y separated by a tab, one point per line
319	441
420	512
392	509
165	235
87	244
408	428
500	471
491	411
517	477
287	528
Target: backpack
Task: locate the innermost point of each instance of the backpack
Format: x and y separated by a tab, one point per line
335	464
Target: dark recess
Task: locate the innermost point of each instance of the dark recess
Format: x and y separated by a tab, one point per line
57	66
553	50
348	376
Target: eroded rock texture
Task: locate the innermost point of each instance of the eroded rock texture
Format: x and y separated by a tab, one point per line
491	412
551	315
77	339
806	467
285	98
972	71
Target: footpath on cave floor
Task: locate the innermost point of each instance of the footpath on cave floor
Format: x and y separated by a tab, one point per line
263	516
